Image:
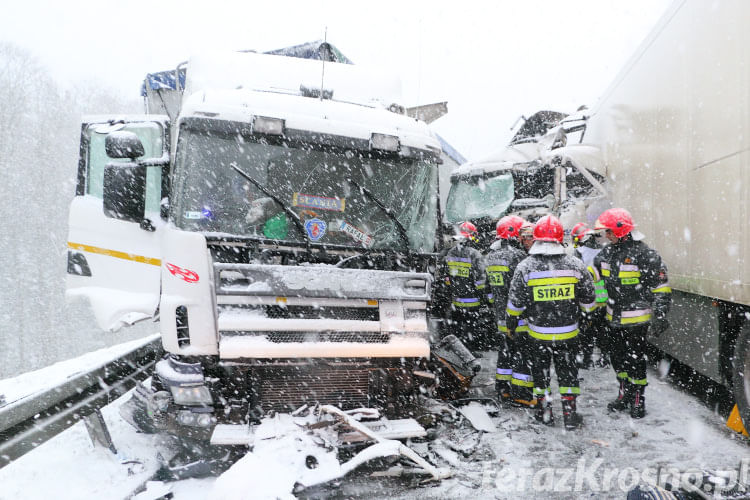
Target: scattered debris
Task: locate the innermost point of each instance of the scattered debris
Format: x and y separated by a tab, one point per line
478	417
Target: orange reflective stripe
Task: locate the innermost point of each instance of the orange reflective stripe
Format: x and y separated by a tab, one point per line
114	253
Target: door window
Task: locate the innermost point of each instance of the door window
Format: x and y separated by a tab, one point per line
151	135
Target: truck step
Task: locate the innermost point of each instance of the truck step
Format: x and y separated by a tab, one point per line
238	434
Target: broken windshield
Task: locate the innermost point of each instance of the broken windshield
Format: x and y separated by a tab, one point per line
474	197
336	192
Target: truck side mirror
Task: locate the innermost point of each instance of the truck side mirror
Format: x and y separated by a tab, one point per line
124	193
123	144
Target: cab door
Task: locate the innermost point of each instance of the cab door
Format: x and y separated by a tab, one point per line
115	264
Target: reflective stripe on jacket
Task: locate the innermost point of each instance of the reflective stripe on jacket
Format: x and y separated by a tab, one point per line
462	268
636	281
550	291
501	262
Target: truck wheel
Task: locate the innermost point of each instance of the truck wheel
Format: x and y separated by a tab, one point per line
741	374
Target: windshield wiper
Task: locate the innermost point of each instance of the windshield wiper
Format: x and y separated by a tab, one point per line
287	210
387	211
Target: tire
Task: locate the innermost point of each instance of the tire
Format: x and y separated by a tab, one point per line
741	374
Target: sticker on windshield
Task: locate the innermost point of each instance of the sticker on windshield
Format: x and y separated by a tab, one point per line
319	202
315	228
356	233
206	213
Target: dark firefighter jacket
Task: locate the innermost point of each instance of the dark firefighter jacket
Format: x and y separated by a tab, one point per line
501	262
550	291
463	278
636	281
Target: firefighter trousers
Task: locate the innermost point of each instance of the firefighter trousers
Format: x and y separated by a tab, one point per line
465	323
563	355
522	383
628	349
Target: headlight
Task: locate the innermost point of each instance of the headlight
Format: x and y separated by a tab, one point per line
193	395
186	417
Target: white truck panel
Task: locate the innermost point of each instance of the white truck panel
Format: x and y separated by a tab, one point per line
187	253
674	129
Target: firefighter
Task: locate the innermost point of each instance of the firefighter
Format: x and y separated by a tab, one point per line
586	248
463	281
501	261
638	298
550	288
522	384
527	235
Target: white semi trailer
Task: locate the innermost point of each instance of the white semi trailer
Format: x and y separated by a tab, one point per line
673	132
281	220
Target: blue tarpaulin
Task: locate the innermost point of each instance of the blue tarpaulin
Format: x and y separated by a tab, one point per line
163	80
451	151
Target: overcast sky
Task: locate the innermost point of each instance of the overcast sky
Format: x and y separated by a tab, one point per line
491	60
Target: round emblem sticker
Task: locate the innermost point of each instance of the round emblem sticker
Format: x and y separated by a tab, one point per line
315	228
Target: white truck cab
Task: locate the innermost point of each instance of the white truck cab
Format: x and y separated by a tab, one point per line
283	231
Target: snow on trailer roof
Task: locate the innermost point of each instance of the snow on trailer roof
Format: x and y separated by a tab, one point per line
310	50
318	49
268	73
370	83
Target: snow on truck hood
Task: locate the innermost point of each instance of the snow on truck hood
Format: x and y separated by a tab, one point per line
310	114
501	159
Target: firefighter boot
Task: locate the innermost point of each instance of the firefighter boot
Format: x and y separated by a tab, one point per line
521	396
502	388
571	418
638	402
622	402
543	412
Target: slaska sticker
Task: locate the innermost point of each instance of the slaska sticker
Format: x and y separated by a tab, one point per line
356	233
184	274
319	202
315	228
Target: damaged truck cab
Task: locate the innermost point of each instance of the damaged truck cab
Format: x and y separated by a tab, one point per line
283	232
544	169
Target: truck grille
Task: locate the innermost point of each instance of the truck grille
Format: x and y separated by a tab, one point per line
361	338
286	389
310	312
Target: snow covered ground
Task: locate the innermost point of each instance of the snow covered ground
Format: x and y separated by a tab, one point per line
523	459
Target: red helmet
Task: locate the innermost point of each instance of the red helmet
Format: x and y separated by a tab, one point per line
548	228
617	220
580	233
509	227
468	230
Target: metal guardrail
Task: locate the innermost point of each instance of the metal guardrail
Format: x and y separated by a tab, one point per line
29	422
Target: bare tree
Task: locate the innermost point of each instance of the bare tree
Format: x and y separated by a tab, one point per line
39	136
